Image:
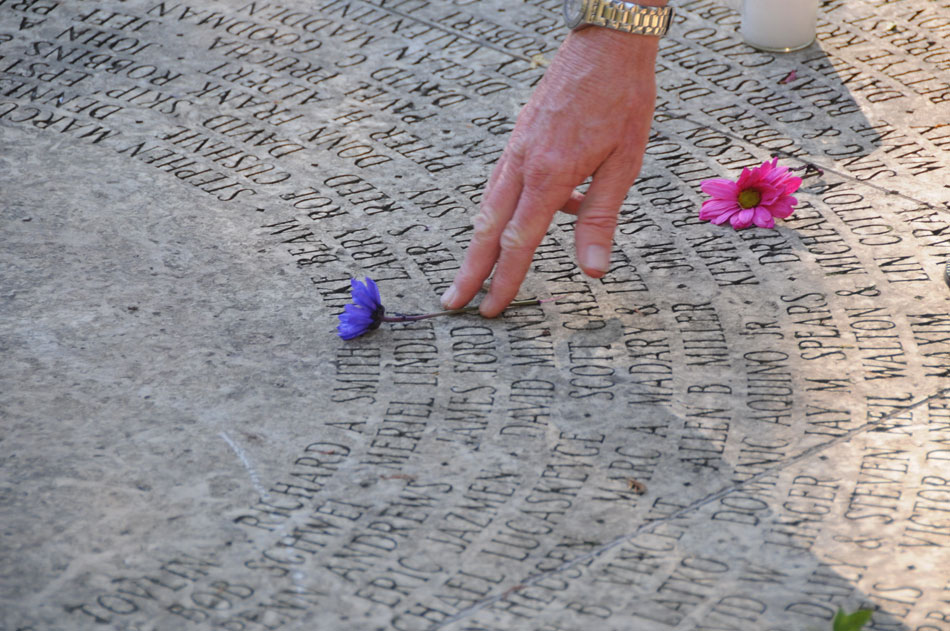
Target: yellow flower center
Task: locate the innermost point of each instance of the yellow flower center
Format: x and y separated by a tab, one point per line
749	198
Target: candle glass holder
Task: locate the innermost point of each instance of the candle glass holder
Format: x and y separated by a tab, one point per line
779	26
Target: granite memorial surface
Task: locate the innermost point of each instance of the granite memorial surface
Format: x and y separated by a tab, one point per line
730	430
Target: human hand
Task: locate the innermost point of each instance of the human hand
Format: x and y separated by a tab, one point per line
590	115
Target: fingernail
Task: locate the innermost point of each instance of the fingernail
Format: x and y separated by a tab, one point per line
487	307
448	298
596	257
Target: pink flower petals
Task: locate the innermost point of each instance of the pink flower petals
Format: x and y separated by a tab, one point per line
773	187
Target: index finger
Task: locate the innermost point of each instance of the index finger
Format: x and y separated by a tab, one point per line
497	207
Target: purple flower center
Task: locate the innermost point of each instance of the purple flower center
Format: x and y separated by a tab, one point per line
749	198
378	315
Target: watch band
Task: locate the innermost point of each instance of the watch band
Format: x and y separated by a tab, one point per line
628	17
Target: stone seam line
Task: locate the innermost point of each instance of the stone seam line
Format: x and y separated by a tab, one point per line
712	497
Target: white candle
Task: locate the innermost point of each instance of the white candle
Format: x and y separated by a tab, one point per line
779	25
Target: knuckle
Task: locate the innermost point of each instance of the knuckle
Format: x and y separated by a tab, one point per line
516	148
548	168
485	224
514	239
600	221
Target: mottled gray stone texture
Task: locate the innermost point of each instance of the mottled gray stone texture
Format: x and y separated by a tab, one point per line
730	431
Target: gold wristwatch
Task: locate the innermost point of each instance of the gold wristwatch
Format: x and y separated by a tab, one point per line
616	14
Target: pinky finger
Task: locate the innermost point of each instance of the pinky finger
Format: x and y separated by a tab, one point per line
573	205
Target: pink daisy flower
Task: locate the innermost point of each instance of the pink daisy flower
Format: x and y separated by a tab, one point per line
758	197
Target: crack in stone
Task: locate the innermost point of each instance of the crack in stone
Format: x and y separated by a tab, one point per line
648	527
811	160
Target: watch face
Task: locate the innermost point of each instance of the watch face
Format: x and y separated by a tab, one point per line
573	12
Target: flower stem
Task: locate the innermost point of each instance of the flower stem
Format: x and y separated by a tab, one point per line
401	317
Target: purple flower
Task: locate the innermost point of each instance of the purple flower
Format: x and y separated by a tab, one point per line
367	311
364	314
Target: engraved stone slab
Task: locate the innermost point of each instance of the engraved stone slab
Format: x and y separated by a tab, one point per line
731	430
